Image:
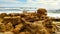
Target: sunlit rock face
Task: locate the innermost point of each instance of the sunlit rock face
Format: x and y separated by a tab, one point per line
6	33
27	23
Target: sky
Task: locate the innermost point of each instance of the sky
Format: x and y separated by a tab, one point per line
48	4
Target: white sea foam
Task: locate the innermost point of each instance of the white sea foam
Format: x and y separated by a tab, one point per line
56	15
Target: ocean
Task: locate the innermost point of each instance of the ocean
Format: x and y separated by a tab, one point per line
56	15
50	13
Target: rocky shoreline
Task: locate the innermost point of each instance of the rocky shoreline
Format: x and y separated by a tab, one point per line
27	23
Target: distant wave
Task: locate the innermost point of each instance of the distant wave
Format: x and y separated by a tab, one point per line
19	10
56	15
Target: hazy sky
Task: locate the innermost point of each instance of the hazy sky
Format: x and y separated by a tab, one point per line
49	4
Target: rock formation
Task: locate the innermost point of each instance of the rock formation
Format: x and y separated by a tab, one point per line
27	23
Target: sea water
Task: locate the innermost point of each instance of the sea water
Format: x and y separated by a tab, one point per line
20	10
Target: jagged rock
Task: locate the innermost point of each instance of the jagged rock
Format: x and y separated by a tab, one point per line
3	15
18	28
41	11
2	27
22	33
27	23
9	26
8	32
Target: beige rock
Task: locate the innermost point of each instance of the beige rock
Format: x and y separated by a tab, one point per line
8	33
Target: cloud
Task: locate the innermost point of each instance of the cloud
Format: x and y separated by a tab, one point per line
9	1
49	4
